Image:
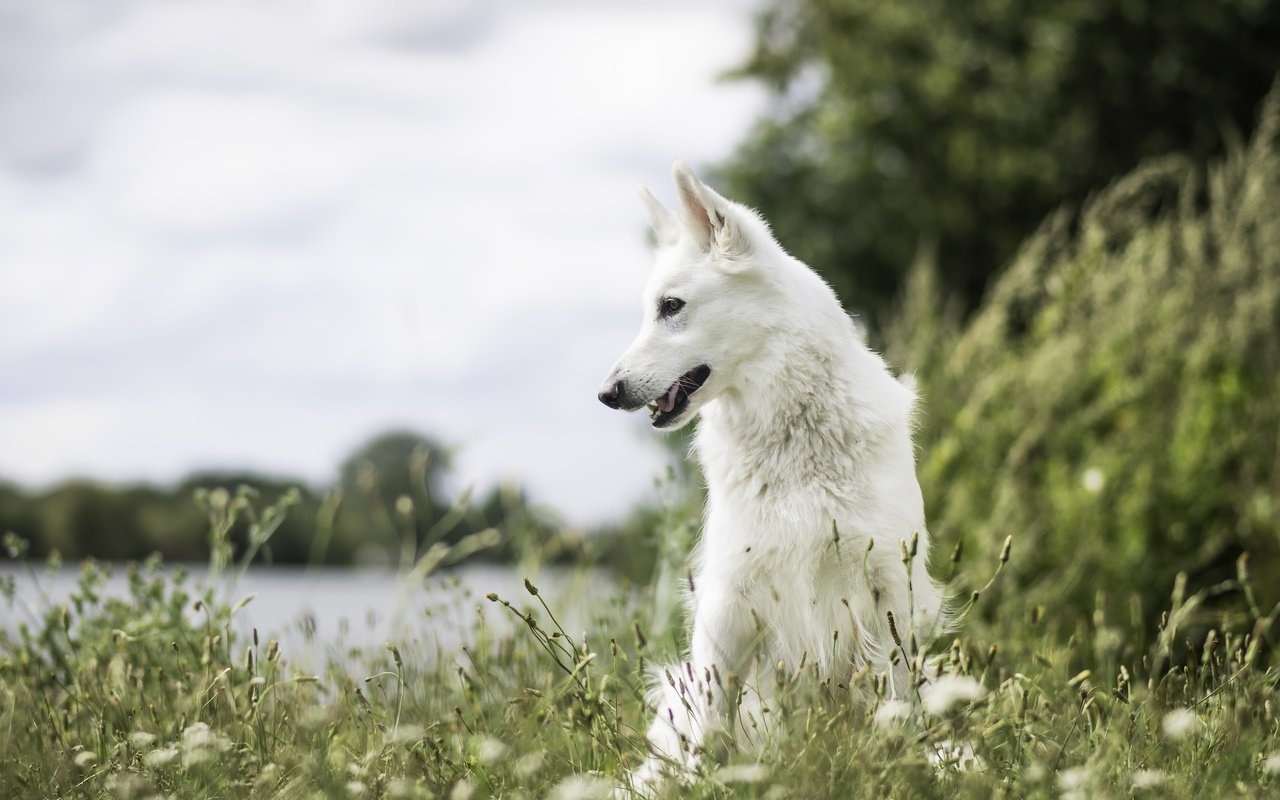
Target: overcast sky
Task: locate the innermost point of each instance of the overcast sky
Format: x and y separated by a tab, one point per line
241	233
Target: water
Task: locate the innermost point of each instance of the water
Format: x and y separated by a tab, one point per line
347	614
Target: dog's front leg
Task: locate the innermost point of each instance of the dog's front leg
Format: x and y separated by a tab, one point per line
725	641
697	697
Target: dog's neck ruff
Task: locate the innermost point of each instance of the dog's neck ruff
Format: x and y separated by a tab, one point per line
849	403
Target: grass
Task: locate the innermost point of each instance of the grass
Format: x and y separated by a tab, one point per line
161	693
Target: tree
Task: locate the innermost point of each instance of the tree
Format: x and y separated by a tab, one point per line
960	126
399	464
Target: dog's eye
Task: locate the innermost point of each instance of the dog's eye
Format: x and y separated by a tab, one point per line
670	306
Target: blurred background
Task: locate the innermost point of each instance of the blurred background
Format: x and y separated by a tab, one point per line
246	240
384	252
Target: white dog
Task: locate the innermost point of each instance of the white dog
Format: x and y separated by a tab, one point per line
805	442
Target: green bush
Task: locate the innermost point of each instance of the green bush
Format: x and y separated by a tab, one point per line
1113	405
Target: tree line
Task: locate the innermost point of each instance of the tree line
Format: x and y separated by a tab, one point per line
390	502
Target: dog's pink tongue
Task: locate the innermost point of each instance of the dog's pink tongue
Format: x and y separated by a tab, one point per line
669	400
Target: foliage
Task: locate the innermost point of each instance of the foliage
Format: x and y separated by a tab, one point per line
390	503
398	464
1113	404
962	125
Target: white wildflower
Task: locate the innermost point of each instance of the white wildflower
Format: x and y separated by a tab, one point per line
158	758
201	745
356	789
1074	783
891	713
1271	764
126	785
1178	723
489	750
408	734
1148	778
743	773
462	790
198	735
948	690
1074	778
529	764
85	758
1093	480
141	740
581	787
199	755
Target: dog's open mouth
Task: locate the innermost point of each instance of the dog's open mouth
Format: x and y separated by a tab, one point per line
671	404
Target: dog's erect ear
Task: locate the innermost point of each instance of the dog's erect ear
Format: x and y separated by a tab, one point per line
666	228
707	216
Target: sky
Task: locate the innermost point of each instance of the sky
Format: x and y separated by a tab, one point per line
252	233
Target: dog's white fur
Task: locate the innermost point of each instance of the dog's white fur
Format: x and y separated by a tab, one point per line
805	442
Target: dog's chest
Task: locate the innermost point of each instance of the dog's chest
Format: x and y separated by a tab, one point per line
803	600
787	479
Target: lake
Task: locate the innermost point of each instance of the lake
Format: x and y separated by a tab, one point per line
347	614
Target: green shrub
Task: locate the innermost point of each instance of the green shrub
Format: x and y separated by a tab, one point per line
1114	403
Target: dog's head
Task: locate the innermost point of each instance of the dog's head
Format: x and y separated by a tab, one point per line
706	302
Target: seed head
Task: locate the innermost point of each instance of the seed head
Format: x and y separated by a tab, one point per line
158	758
1178	723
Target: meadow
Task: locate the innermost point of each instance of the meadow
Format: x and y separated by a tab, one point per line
161	694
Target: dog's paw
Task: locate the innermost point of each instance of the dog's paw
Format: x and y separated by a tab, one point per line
657	778
955	755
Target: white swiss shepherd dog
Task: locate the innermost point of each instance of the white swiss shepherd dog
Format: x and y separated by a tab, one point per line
805	443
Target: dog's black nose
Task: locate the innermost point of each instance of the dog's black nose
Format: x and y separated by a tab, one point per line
612	397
